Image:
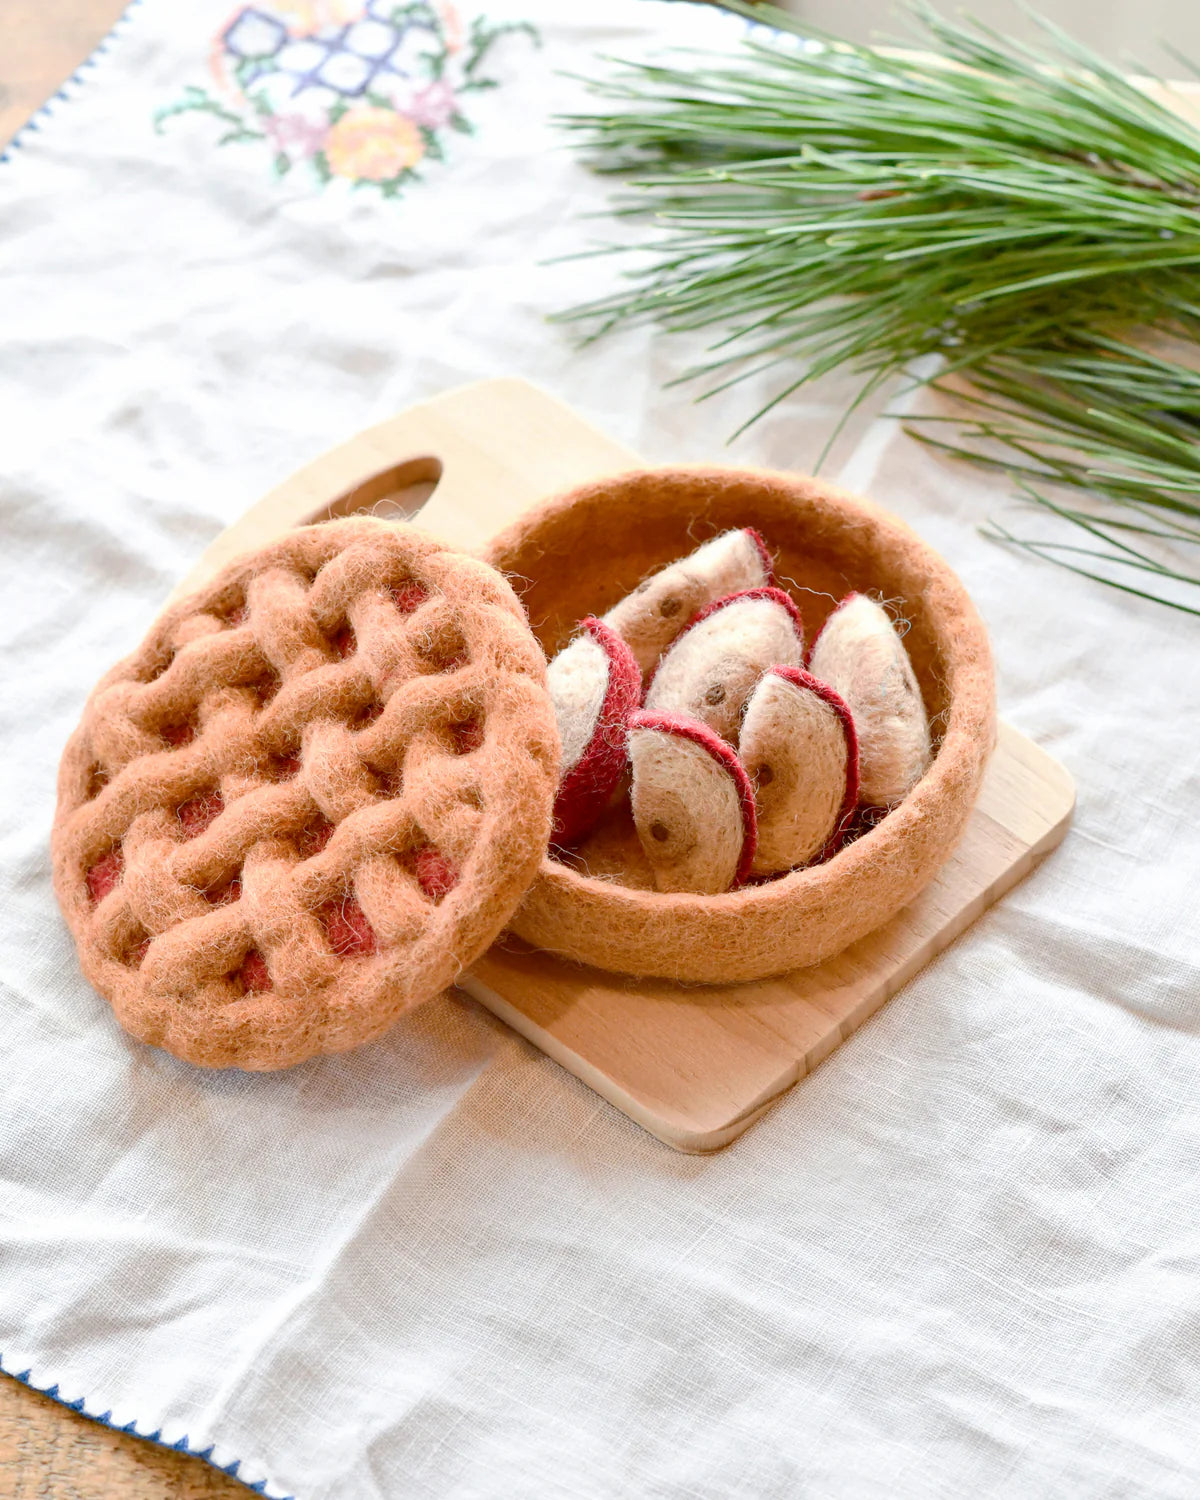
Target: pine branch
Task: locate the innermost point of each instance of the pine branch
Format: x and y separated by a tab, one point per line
1027	213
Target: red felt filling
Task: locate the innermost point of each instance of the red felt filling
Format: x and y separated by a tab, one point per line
254	975
408	597
702	735
313	837
105	875
350	934
179	734
284	767
198	812
345	642
585	790
466	736
436	876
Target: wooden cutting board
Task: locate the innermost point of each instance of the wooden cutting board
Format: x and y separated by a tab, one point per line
694	1066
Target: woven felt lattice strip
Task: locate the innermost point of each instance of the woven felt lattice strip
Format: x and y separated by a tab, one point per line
309	800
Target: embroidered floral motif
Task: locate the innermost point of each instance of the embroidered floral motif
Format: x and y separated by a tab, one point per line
362	90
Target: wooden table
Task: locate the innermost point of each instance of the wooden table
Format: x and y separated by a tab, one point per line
46	1451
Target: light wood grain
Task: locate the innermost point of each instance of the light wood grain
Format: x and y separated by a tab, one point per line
693	1066
462	465
697	1066
50	1453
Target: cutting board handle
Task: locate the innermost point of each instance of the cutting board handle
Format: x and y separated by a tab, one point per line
488	450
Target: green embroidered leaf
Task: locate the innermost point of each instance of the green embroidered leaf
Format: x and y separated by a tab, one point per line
484	36
283	164
245	71
198	101
320	163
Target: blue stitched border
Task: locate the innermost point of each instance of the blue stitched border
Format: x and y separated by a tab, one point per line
105	1420
65	95
67	92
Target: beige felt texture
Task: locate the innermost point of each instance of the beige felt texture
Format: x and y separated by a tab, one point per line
578	681
362	705
710	670
586	549
650	617
794	749
687	810
860	655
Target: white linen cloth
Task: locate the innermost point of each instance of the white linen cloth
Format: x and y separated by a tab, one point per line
962	1259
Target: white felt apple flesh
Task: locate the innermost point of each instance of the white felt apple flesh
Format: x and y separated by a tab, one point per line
859	654
595	686
800	752
710	670
693	805
652	616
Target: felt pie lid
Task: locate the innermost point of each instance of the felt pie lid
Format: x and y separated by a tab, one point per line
310	799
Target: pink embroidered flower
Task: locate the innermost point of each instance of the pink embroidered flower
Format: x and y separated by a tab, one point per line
373	145
296	136
434	105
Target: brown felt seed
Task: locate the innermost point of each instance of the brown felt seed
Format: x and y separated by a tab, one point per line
693	805
710	670
799	749
595	685
860	655
649	618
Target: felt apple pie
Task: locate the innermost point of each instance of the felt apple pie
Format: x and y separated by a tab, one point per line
309	799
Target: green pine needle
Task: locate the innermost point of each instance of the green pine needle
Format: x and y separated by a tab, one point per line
1026	213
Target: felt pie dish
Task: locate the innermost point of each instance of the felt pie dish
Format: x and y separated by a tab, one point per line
582	552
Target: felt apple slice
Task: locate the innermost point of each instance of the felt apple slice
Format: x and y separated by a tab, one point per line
860	656
693	805
650	618
595	685
800	752
709	671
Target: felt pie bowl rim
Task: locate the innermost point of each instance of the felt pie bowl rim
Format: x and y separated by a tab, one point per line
812	914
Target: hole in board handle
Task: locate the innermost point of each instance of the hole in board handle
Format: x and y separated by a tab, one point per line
397	493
